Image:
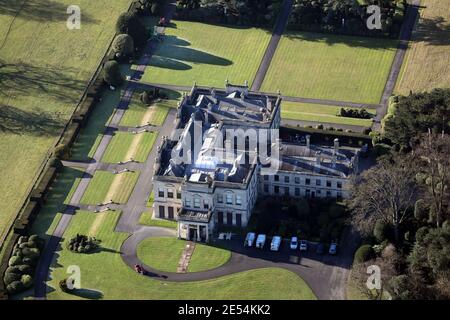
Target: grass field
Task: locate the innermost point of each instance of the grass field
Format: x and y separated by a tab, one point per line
44	68
59	195
193	52
320	113
146	220
333	67
125	145
427	61
105	276
139	114
106	186
90	136
164	254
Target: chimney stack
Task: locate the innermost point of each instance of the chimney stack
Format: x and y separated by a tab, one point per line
308	141
336	146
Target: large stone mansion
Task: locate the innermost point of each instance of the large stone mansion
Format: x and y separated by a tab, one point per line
203	177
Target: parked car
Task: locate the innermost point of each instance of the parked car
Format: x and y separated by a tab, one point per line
320	248
333	248
249	239
275	244
260	241
303	245
294	243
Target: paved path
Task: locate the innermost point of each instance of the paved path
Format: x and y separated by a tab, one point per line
405	36
48	254
278	31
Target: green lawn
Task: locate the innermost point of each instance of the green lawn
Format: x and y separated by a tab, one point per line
207	257
165	253
146	220
139	114
60	194
44	68
106	185
104	274
207	54
334	67
320	113
124	146
90	136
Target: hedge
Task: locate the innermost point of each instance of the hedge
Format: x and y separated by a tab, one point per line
7	253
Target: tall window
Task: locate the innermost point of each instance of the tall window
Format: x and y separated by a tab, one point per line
161	192
297	180
238	200
339	185
196	202
318	182
286	179
220	198
178	194
276	177
307	181
229	198
328	183
169	192
276	189
187	202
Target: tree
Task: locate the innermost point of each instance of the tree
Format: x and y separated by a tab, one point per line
111	73
386	192
130	24
417	114
123	46
433	154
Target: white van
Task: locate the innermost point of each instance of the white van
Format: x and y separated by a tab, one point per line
249	239
260	241
275	245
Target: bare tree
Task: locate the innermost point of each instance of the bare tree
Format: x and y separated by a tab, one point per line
385	192
433	153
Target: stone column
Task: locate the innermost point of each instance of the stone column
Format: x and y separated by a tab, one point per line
198	232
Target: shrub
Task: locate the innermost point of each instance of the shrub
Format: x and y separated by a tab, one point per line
63	285
82	244
111	73
364	253
14	261
27	280
25	269
14	269
32	253
15	287
11	277
130	24
123	46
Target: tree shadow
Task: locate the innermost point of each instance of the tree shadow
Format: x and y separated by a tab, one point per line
351	41
38	123
175	51
23	79
40	10
87	294
167	63
433	31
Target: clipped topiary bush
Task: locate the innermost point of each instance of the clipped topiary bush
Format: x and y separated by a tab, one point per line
82	244
123	46
364	253
14	261
111	73
15	287
11	277
130	24
27	280
380	231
